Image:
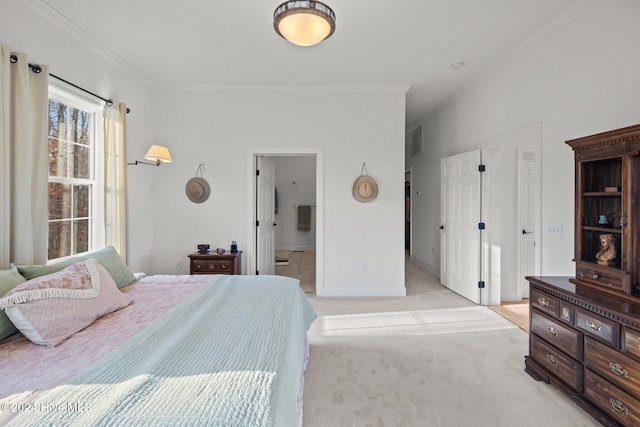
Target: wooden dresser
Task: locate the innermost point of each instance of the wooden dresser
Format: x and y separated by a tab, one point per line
586	341
212	263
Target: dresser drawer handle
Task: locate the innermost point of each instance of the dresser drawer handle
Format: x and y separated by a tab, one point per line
223	266
566	314
596	276
552	331
618	370
552	360
617	405
543	302
594	326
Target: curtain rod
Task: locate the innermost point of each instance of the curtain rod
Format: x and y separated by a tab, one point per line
37	69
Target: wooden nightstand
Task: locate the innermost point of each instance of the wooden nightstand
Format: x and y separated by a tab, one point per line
212	263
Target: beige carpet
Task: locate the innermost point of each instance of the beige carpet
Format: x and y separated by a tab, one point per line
431	358
300	265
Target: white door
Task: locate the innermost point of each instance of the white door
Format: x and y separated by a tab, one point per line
527	190
460	215
265	216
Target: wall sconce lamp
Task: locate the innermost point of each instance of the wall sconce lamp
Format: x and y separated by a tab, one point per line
156	153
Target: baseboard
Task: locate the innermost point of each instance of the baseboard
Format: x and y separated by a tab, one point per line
362	292
425	266
510	296
296	248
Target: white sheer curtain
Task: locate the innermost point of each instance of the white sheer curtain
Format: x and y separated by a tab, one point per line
23	160
115	178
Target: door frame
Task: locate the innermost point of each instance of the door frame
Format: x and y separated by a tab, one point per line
409	172
252	155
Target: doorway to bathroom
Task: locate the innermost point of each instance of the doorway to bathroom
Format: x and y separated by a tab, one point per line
288	189
295	216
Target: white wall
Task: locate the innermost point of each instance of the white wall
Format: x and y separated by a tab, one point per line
579	80
296	185
25	30
218	128
221	126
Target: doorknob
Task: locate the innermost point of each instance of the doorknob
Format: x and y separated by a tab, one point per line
526	232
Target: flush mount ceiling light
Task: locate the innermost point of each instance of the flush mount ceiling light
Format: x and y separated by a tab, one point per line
304	23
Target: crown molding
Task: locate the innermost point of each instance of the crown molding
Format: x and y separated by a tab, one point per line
264	88
48	12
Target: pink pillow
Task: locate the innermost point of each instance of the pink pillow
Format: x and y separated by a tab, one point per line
49	309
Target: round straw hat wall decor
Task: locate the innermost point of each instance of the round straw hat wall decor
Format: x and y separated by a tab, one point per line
197	188
365	188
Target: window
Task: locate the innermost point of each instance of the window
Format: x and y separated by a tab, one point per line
75	223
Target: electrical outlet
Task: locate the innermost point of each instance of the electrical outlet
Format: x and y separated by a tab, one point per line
178	265
555	230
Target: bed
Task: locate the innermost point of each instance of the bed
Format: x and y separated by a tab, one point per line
188	350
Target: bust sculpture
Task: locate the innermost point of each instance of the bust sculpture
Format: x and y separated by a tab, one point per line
607	253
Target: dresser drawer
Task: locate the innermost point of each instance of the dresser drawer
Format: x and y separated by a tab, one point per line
618	404
606	277
561	336
567	312
604	329
545	302
631	342
613	365
557	363
212	266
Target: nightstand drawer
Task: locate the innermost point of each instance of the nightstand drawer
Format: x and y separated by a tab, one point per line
621	370
557	363
561	336
212	266
606	330
618	404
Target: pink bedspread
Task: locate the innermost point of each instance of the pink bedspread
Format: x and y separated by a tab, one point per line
27	370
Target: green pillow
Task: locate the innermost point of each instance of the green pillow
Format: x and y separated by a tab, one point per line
107	257
9	279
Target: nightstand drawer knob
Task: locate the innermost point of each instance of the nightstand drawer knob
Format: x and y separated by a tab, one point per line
543	302
618	370
552	359
596	276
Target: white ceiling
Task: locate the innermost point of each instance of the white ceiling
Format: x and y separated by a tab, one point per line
401	42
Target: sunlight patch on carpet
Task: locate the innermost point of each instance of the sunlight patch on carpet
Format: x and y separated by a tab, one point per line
415	322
